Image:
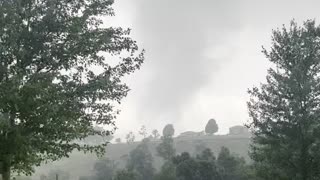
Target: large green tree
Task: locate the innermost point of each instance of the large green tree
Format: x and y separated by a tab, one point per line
167	172
285	109
166	148
126	175
141	161
61	69
168	130
231	167
203	167
211	127
104	169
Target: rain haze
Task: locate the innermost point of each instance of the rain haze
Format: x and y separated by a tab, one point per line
201	58
159	90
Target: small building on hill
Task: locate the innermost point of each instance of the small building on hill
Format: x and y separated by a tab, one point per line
239	130
191	134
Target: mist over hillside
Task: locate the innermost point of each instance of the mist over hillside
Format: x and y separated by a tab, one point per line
80	164
159	90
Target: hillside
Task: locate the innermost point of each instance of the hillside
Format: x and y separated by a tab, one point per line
79	164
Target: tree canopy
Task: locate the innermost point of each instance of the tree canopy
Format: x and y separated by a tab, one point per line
130	137
61	70
202	167
168	130
211	127
141	161
166	148
285	109
104	169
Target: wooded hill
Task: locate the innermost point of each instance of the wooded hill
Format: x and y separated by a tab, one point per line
79	164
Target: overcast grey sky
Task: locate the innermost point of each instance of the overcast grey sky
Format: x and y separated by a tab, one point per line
202	56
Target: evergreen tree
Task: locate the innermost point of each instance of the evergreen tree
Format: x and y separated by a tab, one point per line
285	110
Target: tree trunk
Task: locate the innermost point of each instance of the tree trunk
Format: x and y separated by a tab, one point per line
6	171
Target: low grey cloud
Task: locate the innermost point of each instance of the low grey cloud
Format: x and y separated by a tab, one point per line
201	57
176	35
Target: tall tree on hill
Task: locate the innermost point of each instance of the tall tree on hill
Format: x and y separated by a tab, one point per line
126	175
211	127
230	166
155	134
141	161
285	110
143	131
168	130
130	137
166	148
167	172
55	82
104	169
202	167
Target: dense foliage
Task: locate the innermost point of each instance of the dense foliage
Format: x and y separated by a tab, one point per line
56	81
203	166
104	169
285	110
141	161
211	127
168	130
166	148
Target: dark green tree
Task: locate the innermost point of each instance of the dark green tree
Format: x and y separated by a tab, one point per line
206	154
56	81
130	137
155	134
126	175
168	130
167	172
230	166
207	165
199	147
285	109
104	169
141	161
166	148
186	167
211	127
201	168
